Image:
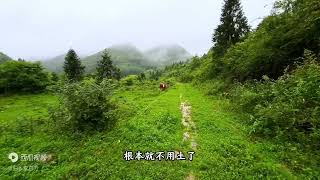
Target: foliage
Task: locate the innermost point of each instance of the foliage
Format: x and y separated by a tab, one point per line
287	107
277	43
18	76
85	105
72	66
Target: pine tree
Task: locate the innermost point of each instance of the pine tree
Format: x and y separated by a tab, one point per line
72	66
106	69
233	27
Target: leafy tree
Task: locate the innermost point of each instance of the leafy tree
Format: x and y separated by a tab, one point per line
20	76
234	26
106	69
72	66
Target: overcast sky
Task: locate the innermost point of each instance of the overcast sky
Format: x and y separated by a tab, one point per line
46	28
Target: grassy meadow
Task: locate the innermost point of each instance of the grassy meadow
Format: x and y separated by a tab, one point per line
248	108
148	120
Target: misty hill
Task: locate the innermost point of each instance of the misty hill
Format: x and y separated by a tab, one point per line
55	64
128	58
4	57
165	55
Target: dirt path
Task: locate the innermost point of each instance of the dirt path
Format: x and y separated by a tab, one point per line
189	126
189	129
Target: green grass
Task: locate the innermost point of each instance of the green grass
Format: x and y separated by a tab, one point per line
148	120
25	105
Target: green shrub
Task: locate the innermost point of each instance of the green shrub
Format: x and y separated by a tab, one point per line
129	80
20	76
247	95
85	105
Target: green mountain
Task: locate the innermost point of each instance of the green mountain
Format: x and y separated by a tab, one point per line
128	58
4	57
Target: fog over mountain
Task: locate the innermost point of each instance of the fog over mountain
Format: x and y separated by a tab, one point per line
128	58
167	54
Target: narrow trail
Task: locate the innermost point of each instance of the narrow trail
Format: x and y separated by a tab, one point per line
188	124
189	129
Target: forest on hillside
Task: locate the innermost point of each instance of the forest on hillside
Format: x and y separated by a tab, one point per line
247	109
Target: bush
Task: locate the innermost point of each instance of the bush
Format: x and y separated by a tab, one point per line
85	105
129	80
287	107
20	76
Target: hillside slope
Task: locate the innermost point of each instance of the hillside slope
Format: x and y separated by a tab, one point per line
55	64
127	57
4	57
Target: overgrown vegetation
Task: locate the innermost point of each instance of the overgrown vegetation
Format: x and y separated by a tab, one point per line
277	43
287	107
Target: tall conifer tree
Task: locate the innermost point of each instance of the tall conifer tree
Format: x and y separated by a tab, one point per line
72	66
233	27
105	68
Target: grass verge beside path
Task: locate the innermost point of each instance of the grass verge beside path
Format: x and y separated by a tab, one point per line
225	151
